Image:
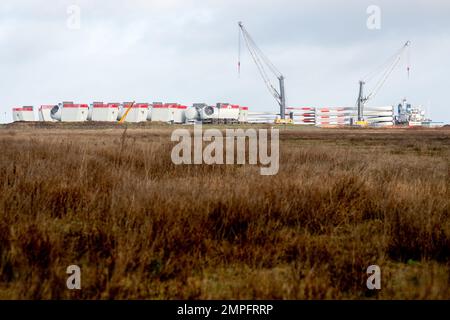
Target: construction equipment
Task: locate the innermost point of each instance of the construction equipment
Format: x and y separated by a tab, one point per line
383	72
264	66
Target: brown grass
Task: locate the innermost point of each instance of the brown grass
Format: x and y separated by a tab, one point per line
141	227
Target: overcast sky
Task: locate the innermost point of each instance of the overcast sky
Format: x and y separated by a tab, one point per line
186	51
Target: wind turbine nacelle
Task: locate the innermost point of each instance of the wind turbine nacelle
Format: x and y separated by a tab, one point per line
209	113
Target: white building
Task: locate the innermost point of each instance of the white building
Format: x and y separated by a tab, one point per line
105	111
23	114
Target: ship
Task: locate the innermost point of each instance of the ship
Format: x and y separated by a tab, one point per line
411	116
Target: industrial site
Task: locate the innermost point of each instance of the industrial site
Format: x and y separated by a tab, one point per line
362	114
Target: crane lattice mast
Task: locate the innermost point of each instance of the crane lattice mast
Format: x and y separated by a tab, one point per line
264	67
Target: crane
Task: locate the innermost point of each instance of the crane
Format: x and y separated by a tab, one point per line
264	67
385	71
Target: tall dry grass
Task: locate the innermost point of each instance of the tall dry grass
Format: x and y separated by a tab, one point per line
140	227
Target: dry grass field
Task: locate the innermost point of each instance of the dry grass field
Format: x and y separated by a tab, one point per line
140	227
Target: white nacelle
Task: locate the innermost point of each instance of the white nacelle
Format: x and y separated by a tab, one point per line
56	112
191	114
45	113
105	112
74	112
163	113
179	113
23	114
209	113
228	112
169	112
137	113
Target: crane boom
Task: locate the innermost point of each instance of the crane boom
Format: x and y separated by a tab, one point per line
265	66
386	70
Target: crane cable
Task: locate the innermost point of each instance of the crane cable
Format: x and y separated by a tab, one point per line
239	53
383	79
408	61
269	63
253	52
257	55
388	67
369	77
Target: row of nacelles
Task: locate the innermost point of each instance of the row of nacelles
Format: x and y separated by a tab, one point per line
135	112
110	112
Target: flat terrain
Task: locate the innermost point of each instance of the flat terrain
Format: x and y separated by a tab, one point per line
111	201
